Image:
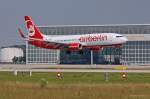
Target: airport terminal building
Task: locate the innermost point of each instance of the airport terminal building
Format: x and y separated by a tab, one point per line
135	51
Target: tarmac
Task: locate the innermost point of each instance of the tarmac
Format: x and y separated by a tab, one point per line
74	68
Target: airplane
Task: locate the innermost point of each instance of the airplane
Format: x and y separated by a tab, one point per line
69	43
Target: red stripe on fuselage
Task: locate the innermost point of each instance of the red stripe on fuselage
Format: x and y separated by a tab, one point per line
41	44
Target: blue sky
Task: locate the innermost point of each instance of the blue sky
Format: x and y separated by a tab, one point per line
68	12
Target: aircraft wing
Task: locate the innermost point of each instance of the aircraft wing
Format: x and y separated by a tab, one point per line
55	44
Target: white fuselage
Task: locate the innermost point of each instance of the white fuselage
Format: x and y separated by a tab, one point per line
88	39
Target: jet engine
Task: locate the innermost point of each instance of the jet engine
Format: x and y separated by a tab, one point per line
74	46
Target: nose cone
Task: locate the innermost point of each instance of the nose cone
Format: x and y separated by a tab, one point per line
124	39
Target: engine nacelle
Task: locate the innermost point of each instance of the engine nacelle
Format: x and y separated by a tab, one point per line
74	46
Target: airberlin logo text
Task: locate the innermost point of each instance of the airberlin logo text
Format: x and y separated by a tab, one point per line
91	38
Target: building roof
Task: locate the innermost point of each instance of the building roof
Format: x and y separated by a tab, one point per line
95	25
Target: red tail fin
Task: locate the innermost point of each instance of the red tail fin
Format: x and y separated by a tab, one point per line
32	29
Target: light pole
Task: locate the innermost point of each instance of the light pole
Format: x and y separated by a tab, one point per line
91	57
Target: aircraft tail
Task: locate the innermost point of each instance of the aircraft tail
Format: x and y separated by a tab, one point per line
32	29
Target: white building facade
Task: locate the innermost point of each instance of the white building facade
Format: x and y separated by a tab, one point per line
135	51
7	54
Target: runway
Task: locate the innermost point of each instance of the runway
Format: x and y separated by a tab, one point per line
75	70
72	68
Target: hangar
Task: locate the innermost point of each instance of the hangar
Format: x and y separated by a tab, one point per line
135	51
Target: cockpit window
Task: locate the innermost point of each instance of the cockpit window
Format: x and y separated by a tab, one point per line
119	36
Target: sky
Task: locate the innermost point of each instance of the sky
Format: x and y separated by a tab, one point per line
68	12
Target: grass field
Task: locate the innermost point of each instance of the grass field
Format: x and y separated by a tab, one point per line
74	86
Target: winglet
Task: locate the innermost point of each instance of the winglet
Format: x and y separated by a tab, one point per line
21	33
